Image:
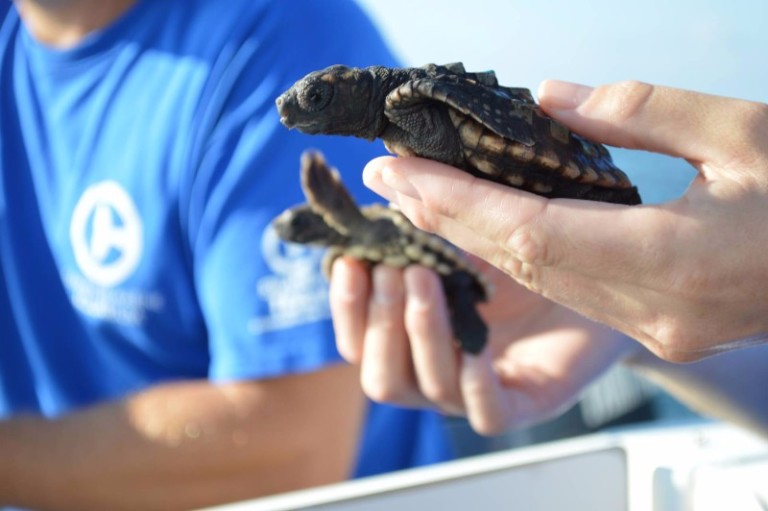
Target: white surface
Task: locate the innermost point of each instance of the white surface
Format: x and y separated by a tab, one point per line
741	485
656	469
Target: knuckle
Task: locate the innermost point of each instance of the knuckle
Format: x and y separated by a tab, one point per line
349	350
529	242
624	100
525	255
489	425
674	341
441	395
529	247
388	289
419	214
383	390
754	116
669	335
524	245
420	219
525	274
748	132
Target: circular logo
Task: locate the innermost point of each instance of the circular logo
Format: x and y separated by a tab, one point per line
106	234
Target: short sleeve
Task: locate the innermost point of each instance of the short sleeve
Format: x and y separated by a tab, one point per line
264	301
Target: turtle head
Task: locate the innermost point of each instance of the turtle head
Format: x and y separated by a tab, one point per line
334	101
301	224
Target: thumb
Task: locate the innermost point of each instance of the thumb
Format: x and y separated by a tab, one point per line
691	125
509	228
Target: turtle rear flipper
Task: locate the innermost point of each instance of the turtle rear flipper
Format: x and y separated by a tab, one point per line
457	68
521	94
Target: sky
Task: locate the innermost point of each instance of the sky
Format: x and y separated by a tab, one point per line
714	46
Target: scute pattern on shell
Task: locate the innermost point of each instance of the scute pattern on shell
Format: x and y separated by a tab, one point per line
382	235
492	108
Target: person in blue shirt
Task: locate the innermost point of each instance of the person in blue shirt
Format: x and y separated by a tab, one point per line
159	347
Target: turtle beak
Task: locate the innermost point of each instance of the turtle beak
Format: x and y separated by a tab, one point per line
286	106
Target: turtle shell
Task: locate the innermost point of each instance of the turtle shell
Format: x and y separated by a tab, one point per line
506	137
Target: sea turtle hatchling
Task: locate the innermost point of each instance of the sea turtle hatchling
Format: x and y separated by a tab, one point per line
382	235
460	118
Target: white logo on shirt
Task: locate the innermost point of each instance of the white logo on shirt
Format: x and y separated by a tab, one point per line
106	234
296	293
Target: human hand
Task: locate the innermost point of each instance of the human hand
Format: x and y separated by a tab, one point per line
539	356
686	278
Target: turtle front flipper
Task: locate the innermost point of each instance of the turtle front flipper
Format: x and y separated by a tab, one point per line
420	126
420	112
506	111
327	195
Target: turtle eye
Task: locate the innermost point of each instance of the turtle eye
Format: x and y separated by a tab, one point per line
316	96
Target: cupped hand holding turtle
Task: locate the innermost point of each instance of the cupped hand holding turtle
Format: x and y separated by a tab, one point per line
686	278
540	355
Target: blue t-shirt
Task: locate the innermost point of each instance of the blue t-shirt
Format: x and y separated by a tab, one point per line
139	174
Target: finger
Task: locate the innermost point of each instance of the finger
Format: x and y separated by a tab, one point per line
438	190
386	371
372	178
521	232
431	338
487	408
620	302
349	293
642	116
585	266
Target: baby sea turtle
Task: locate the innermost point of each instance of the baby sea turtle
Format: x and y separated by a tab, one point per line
460	118
381	235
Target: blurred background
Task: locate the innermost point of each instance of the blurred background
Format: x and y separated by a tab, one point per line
714	46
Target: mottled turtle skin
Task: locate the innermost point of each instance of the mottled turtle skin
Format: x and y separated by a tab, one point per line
382	235
460	118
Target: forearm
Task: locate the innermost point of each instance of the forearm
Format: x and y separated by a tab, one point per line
732	386
172	447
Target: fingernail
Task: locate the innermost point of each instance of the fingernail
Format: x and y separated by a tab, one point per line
386	288
557	95
345	283
420	287
399	183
